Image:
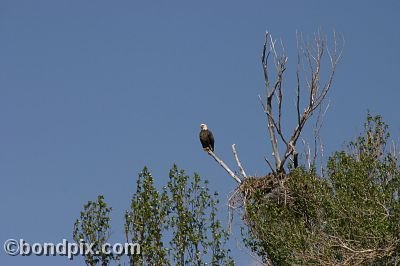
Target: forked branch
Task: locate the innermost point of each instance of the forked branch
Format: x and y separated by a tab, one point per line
223	165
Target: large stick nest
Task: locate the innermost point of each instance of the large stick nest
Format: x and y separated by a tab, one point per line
271	186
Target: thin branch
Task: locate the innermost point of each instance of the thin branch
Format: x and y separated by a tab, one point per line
230	172
317	138
273	123
235	201
262	103
243	173
270	165
298	81
307	153
264	61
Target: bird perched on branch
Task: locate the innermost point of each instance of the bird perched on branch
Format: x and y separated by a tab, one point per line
206	138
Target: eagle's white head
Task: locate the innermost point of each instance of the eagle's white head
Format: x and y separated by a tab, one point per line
203	127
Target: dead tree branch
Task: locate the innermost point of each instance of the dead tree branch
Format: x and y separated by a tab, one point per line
280	66
242	172
222	163
270	165
311	54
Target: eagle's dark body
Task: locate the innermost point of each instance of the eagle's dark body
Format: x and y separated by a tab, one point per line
206	138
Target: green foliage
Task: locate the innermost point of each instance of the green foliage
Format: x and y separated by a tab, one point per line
351	216
93	228
183	215
145	223
175	226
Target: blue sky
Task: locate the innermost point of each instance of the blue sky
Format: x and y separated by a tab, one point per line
92	91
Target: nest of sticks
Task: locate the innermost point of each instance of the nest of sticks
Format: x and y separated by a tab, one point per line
271	187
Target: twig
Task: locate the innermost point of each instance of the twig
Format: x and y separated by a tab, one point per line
232	201
238	162
230	172
270	165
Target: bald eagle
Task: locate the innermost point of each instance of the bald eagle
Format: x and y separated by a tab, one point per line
206	138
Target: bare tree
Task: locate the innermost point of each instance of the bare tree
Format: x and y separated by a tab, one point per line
309	63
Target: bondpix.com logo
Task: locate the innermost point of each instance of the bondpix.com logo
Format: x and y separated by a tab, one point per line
15	247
